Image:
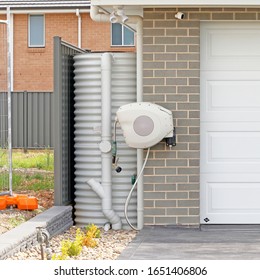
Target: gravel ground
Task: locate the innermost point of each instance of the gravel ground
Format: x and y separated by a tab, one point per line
110	245
11	218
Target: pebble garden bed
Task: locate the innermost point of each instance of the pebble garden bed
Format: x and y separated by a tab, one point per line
109	246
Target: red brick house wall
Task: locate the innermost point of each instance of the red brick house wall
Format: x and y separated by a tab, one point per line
3	58
33	67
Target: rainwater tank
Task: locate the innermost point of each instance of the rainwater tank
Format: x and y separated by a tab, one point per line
88	136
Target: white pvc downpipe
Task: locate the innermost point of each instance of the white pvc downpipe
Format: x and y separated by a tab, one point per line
104	190
79	27
138	20
139	98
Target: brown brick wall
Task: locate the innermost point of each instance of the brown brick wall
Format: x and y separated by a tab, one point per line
172	79
33	67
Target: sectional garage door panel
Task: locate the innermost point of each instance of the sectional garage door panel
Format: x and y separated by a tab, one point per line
231	147
230	96
230	46
230	123
231	199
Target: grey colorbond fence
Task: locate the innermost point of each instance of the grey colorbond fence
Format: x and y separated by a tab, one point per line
32	120
64	121
3	120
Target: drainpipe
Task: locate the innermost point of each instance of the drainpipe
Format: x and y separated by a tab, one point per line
138	20
79	27
104	190
139	98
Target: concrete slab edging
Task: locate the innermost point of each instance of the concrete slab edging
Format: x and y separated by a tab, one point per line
55	220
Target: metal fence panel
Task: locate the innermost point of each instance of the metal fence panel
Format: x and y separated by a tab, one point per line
3	120
32	120
64	122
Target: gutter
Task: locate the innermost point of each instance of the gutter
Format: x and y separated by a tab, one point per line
44	11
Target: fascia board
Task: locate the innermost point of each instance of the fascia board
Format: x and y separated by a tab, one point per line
183	3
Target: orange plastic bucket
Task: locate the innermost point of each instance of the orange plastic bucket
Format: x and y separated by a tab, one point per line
2	202
11	200
27	203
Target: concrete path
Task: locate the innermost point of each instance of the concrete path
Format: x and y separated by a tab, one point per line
208	243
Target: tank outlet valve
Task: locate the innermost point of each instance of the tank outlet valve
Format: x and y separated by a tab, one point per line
114	152
118	169
133	179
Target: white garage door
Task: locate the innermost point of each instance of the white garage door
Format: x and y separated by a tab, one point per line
230	123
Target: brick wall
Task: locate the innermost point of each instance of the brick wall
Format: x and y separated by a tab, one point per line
33	67
171	79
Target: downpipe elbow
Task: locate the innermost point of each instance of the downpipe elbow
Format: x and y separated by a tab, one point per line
113	218
107	210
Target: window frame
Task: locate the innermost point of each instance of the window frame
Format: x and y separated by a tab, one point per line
122	36
29	31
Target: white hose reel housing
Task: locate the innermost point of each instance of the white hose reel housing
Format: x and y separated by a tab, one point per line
145	124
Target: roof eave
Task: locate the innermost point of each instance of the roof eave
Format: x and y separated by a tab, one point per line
182	3
44	4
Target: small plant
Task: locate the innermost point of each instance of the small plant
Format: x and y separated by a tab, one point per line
70	248
89	241
60	257
93	231
73	248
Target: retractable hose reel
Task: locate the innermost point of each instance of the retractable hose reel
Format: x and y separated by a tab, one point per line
144	125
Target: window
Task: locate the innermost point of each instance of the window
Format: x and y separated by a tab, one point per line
36	31
122	35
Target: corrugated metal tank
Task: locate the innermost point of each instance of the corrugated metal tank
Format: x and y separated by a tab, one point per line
88	136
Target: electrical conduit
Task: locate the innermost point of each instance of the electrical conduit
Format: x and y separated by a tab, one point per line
104	190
